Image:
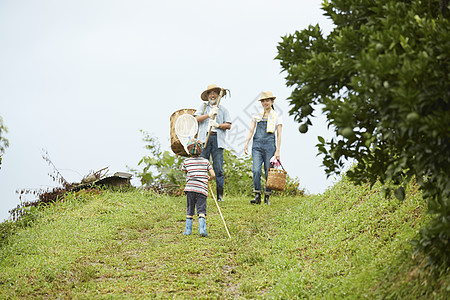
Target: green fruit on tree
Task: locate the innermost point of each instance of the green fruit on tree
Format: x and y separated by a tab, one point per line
412	117
347	132
379	47
303	128
306	110
306	88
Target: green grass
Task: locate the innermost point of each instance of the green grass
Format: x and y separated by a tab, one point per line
349	242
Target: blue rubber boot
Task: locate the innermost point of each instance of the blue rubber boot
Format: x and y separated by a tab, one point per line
188	228
202	226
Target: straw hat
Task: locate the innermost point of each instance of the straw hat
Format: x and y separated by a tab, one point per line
211	87
266	95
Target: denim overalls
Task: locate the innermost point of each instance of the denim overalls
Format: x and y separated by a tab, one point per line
263	149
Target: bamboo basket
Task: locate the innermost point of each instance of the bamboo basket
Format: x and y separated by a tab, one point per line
175	143
276	179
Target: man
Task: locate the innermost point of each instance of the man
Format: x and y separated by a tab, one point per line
215	117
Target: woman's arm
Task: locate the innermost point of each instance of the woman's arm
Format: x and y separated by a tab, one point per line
249	136
277	152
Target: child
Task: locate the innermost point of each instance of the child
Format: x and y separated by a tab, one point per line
196	169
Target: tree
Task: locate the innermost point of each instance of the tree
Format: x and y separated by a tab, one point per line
382	77
4	143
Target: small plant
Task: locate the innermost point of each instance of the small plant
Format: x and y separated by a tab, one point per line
238	174
161	170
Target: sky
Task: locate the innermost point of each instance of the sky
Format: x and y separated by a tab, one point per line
79	80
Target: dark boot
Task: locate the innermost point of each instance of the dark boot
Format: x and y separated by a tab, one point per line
219	193
266	199
257	199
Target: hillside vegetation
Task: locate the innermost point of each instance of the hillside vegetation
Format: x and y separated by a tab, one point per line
348	242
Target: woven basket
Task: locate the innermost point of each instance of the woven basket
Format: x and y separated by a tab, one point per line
175	143
276	179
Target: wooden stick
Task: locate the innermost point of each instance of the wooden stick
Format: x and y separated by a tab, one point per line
210	128
226	228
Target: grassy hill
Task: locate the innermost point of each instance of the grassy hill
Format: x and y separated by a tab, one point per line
349	242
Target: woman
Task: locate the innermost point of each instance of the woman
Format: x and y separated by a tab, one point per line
265	145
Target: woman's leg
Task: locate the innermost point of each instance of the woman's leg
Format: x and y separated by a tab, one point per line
258	159
269	151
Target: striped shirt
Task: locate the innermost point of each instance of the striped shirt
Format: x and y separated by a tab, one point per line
197	174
